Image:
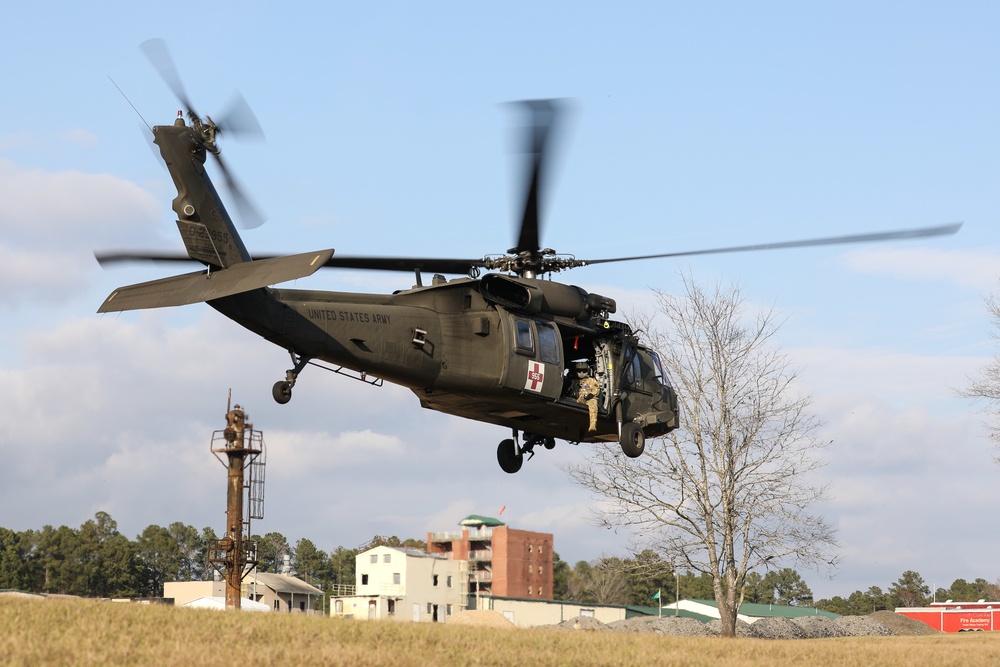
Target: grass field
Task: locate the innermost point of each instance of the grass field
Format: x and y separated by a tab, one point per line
75	632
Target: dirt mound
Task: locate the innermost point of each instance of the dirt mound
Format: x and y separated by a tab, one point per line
903	625
581	623
482	618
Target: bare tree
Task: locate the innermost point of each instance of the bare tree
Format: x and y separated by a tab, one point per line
986	388
730	490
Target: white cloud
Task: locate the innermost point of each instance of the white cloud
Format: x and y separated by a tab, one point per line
975	268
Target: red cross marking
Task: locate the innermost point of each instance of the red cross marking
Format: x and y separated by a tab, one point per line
536	376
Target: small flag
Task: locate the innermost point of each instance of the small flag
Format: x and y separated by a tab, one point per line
501	510
656	595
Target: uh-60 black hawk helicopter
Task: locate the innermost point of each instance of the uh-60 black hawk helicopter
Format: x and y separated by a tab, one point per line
507	348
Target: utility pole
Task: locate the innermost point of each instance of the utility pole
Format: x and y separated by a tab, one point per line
235	555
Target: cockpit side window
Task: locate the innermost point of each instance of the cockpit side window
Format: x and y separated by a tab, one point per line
548	343
633	371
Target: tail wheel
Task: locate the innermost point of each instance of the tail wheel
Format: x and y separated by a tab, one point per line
633	440
509	457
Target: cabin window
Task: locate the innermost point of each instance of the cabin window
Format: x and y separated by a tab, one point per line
548	343
525	340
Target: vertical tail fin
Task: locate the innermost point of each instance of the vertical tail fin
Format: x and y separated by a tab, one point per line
206	228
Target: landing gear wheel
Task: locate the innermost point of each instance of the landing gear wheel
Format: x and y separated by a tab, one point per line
633	440
549	443
509	458
282	391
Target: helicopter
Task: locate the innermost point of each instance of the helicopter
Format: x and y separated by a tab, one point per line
509	347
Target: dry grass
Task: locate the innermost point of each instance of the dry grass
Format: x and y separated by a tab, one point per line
67	632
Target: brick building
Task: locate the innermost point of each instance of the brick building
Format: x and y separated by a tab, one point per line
503	561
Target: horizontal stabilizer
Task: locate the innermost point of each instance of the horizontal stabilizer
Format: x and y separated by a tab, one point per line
204	286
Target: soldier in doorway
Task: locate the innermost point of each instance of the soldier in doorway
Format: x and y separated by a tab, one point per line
588	391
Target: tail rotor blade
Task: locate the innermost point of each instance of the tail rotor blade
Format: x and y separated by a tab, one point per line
250	215
159	55
240	120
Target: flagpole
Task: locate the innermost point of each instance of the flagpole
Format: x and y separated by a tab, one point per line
677	594
659	603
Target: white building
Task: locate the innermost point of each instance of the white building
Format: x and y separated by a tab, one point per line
405	585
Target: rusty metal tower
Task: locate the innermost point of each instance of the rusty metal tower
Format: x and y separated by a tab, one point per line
235	555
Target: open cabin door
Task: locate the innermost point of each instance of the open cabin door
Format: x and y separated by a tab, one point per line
535	360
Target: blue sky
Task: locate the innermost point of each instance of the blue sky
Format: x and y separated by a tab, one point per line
691	126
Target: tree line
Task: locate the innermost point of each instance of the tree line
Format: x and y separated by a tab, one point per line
96	560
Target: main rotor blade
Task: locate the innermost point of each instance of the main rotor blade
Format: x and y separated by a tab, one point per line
104	258
159	55
409	264
915	233
543	115
430	264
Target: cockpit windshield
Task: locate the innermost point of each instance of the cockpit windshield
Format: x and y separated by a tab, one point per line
658	372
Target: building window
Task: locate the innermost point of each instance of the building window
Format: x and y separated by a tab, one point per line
390	606
529	590
449	584
395	578
539	591
430	608
435	580
386	558
374	558
531	549
277	605
364	579
587	613
539	569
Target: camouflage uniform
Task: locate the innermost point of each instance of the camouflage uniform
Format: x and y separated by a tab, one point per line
588	394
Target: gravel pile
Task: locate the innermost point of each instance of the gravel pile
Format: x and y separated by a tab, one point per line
742	628
637	625
861	626
880	624
683	627
677	627
777	628
818	627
